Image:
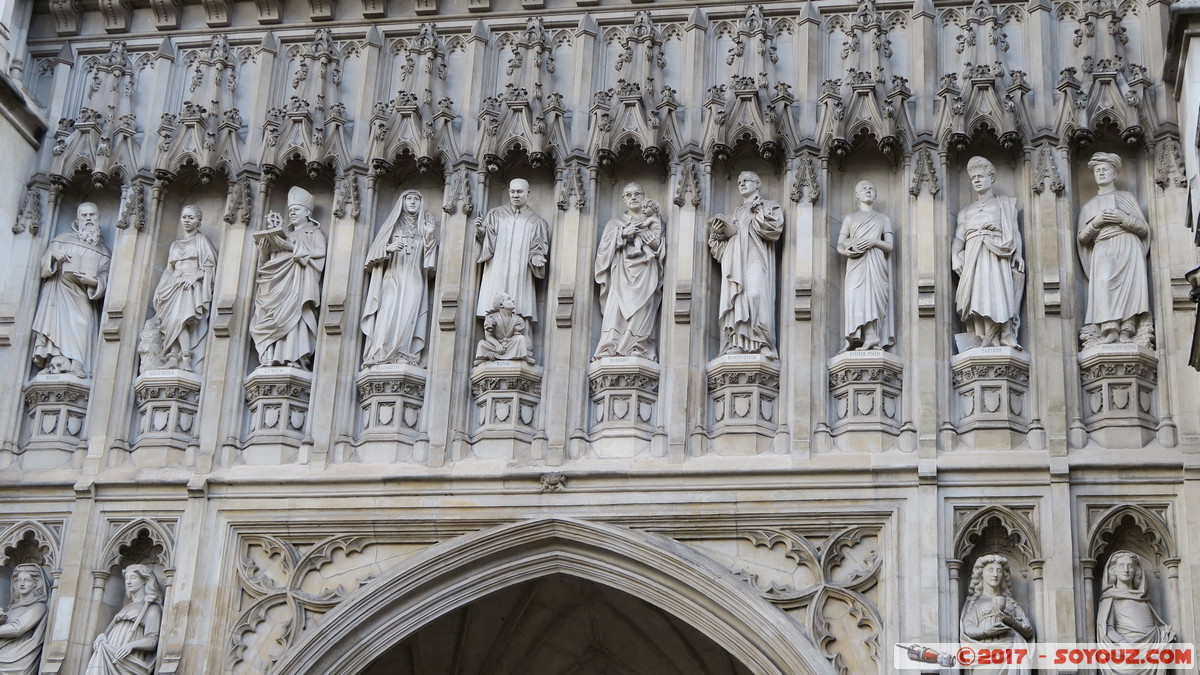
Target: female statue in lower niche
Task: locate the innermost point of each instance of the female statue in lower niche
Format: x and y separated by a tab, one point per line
23	622
129	644
1125	615
991	618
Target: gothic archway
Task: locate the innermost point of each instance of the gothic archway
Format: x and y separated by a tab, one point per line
450	575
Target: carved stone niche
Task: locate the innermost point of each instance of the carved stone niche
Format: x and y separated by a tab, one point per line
506	395
390	398
278	399
1118	394
167	401
624	392
55	412
865	388
743	395
991	387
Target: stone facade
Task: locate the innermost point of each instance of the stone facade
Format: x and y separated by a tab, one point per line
717	491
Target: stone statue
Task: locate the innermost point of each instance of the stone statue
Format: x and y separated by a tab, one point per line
23	622
991	618
1114	240
128	645
288	295
1125	615
74	275
743	244
503	334
399	262
989	263
866	240
184	294
629	264
514	245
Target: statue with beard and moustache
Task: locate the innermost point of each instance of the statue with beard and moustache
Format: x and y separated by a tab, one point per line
74	276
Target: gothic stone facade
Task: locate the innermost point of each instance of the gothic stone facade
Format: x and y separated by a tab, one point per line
697	512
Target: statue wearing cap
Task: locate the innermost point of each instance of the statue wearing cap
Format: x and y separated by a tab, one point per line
288	291
1114	239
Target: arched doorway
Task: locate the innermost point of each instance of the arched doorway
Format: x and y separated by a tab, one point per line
673	580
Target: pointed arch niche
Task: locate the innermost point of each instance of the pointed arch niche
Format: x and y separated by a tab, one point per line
1006	531
682	585
1145	530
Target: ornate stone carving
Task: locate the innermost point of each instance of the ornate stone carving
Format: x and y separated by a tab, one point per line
514	250
1169	170
507	394
865	388
687	182
743	393
288	293
1119	381
866	241
24	627
628	269
278	401
1046	173
206	131
130	642
990	263
102	137
924	174
572	193
991	618
1114	241
805	186
742	243
459	192
1125	616
240	204
391	398
399	263
167	402
133	207
74	273
30	216
624	396
991	385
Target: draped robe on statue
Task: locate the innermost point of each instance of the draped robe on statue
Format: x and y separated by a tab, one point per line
65	322
136	621
288	295
180	297
747	306
397	304
990	284
1126	617
21	637
1114	259
981	627
510	240
868	289
629	273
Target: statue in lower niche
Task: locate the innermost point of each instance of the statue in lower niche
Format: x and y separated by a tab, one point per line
74	276
399	262
128	645
866	241
288	292
514	244
988	259
1114	240
744	245
23	622
629	263
184	296
504	336
991	617
1125	615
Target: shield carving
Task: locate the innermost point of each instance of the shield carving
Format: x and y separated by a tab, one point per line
1144	400
159	417
185	421
1016	403
501	411
741	405
991	399
271	417
620	408
766	407
645	410
387	413
1120	397
889	407
526	414
296	419
864	402
598	409
1095	401
410	417
49	423
967	400
74	424
718	404
842	406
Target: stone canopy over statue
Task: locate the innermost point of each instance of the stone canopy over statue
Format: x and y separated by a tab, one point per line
990	264
629	267
866	241
1114	240
514	245
744	246
74	274
288	293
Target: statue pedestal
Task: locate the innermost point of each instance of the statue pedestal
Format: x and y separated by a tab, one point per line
991	385
506	395
743	390
624	393
167	401
55	410
865	388
1118	394
390	397
278	400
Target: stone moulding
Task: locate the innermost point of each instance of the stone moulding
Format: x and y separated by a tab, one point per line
56	412
167	402
743	393
506	396
1119	381
391	398
624	396
991	386
278	401
865	387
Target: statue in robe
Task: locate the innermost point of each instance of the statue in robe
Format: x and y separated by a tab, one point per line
1114	240
23	622
514	243
991	618
288	293
866	241
629	264
184	294
989	262
744	245
128	645
74	275
399	263
504	336
1125	616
